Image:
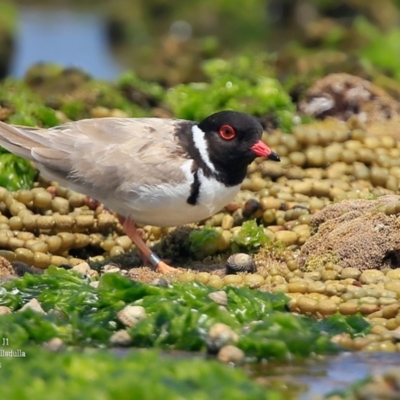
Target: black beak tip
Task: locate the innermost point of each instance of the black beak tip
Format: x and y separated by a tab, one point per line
274	157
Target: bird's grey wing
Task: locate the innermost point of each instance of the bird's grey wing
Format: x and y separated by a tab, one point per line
102	154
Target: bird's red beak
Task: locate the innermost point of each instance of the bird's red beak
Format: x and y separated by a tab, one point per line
262	150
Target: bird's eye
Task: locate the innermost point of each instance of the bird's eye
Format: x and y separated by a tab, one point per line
227	132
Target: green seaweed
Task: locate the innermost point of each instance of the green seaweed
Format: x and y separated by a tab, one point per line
141	375
28	108
250	237
352	324
283	336
203	242
16	173
129	82
74	109
242	84
178	317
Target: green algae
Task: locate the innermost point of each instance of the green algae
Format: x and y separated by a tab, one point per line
202	242
182	320
242	84
250	237
140	375
133	87
27	108
178	317
16	173
282	336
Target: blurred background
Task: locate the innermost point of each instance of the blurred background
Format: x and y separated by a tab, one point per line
166	40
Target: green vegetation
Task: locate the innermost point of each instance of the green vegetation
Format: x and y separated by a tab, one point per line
108	376
24	106
382	49
202	241
250	237
242	84
178	318
16	173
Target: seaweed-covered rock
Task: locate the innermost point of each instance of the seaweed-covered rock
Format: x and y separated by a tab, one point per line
363	234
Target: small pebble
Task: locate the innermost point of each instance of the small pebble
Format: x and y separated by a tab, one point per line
231	355
220	335
33	305
5	310
120	338
54	345
82	268
110	268
160	282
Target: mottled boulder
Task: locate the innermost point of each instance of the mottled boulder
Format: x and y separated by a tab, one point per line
355	233
344	96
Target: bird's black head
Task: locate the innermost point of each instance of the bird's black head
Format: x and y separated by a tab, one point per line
233	141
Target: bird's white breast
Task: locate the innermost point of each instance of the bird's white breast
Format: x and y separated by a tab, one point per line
166	204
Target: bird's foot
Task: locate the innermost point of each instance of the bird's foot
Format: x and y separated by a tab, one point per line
165	269
148	256
159	265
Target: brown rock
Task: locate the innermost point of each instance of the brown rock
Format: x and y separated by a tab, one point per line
345	207
356	234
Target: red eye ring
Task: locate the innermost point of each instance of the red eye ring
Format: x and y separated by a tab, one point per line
227	132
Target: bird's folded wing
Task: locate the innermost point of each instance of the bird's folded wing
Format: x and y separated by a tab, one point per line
102	153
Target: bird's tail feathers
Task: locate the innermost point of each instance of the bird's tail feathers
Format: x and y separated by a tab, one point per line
18	140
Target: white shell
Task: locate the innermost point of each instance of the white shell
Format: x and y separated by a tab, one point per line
220	335
131	315
121	338
219	297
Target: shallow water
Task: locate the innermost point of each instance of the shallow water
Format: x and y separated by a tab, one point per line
312	378
324	375
73	38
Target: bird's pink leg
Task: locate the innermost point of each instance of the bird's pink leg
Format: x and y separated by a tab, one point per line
130	229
